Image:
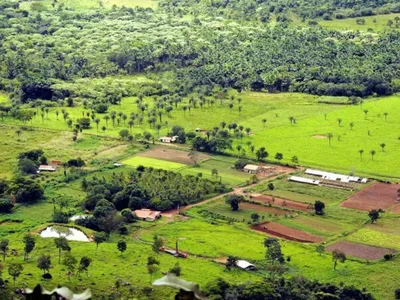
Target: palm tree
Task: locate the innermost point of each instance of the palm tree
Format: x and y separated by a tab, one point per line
361	104
372	152
223	124
365	112
383	145
97	121
385	114
238	148
361	153
264	121
184	110
230	106
351	125
158	128
107	118
18	132
57	113
248	130
240	109
131	123
339	120
330	136
292	120
104	129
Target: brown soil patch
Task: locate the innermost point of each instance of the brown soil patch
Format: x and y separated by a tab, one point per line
319	136
360	250
320	224
284	203
288	233
174	155
396	209
260	208
378	195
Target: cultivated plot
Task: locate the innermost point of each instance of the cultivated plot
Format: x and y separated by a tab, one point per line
360	250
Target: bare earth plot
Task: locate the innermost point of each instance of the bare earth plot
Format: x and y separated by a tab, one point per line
174	155
280	202
378	195
288	233
360	250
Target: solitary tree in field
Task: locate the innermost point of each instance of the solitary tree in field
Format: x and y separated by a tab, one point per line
121	245
295	159
18	132
230	106
385	114
4	248
14	270
107	118
158	243
97	121
279	156
84	265
62	245
99	238
44	263
339	120
152	266
255	217
264	121
194	156
372	152
261	153
57	113
390	23
29	242
330	137
365	113
104	129
223	124
373	215
383	145
158	128
361	153
351	125
273	253
338	255
231	262
292	120
319	208
131	123
239	109
320	249
214	172
70	263
248	131
233	201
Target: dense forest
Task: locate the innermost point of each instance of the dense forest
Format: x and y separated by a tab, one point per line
45	50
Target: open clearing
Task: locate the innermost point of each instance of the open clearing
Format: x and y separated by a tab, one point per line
152	162
360	250
288	233
379	195
260	208
174	155
284	203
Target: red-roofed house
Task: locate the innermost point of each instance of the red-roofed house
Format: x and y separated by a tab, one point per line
147	214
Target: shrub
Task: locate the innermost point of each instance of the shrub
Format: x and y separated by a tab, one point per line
388	256
6	206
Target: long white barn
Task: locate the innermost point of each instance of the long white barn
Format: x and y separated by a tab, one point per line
336	177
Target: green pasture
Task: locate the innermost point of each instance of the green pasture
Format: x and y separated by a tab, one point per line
302	192
152	162
380	24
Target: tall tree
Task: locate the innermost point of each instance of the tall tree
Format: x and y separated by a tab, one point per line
44	263
373	215
14	270
70	263
273	252
338	255
121	245
62	245
372	152
361	151
4	248
29	242
319	207
99	238
158	243
330	137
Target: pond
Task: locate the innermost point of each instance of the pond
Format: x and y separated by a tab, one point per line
70	233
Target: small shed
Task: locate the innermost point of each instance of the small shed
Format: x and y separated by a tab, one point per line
251	169
48	168
245	265
147	214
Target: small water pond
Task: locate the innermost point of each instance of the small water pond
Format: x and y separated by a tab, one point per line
70	233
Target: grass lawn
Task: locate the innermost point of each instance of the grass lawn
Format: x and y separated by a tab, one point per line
152	162
351	24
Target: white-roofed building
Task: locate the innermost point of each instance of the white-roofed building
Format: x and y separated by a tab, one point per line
48	168
304	180
245	265
335	176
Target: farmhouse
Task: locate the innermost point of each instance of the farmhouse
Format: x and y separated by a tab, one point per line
335	177
147	214
48	168
251	169
245	265
304	180
168	139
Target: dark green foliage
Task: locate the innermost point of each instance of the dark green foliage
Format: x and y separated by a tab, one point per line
241	163
84	123
44	263
29	245
231	262
373	215
6	206
234	200
27	166
60	217
271	186
274	253
121	245
78	162
3	186
319	207
397	294
26	190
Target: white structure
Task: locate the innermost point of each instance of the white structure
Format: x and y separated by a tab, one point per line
168	139
48	168
245	265
251	169
336	177
304	180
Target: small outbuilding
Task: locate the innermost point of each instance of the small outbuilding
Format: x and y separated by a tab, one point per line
245	265
147	214
304	180
252	169
48	168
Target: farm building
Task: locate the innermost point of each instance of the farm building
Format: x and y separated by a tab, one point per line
147	214
335	177
251	169
55	162
168	139
48	168
304	180
245	265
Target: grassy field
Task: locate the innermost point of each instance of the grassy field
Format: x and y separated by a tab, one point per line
351	24
152	162
368	132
